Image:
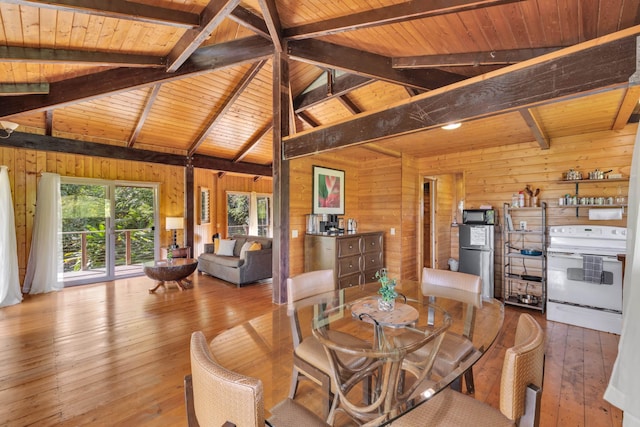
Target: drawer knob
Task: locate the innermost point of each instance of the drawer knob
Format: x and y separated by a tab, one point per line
350	246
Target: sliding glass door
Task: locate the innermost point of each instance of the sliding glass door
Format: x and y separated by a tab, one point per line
108	229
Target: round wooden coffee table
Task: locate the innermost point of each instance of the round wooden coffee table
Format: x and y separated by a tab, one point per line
177	270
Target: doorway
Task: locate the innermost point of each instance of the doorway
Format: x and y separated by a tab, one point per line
108	229
442	200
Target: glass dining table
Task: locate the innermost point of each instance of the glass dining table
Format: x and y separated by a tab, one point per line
263	348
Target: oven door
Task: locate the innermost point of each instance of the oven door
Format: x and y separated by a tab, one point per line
566	286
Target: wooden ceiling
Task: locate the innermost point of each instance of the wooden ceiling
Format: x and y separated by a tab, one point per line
192	80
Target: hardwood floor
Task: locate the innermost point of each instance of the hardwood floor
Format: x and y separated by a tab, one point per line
113	354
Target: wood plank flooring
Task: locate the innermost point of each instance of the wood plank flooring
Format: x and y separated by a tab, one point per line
112	354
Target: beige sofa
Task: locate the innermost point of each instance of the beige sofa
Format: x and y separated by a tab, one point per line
256	265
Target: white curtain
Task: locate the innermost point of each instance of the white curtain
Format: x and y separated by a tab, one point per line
253	214
9	279
624	385
44	270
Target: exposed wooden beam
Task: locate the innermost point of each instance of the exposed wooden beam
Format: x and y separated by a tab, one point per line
77	57
307	119
406	11
250	20
382	150
119	9
32	141
16	89
145	113
534	123
600	64
235	94
349	104
212	15
499	57
630	102
109	82
341	86
412	91
272	19
367	64
253	143
235	52
48	122
224	165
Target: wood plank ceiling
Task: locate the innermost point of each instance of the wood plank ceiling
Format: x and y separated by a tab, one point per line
193	79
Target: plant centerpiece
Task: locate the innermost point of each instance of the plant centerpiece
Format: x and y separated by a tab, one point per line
169	255
387	291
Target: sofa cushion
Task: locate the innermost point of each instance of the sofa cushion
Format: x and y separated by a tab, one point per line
240	241
249	246
226	247
229	261
266	242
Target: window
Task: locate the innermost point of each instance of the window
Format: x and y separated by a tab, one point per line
249	213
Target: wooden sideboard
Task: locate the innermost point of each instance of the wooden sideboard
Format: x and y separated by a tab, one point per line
354	258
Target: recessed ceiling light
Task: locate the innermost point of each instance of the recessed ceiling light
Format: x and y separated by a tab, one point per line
452	126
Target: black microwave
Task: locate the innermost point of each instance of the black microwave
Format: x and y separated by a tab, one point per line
479	216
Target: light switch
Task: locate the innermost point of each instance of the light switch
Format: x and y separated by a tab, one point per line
294	234
393	231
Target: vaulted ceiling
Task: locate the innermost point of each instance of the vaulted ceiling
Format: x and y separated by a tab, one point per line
179	80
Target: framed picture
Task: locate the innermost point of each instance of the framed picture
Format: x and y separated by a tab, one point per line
328	191
205	206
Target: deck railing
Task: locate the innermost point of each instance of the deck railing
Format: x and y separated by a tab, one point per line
86	250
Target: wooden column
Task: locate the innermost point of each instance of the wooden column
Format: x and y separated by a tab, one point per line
189	203
281	172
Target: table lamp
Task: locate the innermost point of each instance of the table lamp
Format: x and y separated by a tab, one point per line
174	223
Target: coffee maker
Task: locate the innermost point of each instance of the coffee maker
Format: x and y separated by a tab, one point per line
329	224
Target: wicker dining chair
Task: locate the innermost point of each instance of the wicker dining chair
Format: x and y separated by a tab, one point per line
216	396
466	288
309	358
520	390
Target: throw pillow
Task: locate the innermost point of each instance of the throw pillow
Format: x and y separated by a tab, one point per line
226	247
249	246
216	245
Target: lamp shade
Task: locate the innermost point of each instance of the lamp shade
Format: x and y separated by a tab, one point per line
174	223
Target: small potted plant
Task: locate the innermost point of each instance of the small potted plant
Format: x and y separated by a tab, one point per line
387	291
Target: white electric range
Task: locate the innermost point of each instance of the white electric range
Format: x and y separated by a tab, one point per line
584	276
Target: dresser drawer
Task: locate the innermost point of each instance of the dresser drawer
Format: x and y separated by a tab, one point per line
349	265
348	247
372	260
350	280
372	243
370	275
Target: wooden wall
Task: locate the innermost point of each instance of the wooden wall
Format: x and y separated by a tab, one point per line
300	195
382	192
25	167
218	187
491	176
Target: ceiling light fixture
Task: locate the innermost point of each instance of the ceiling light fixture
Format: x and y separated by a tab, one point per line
8	128
452	126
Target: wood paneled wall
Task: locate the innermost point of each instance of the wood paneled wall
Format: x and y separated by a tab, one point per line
491	176
25	167
382	192
218	187
300	195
